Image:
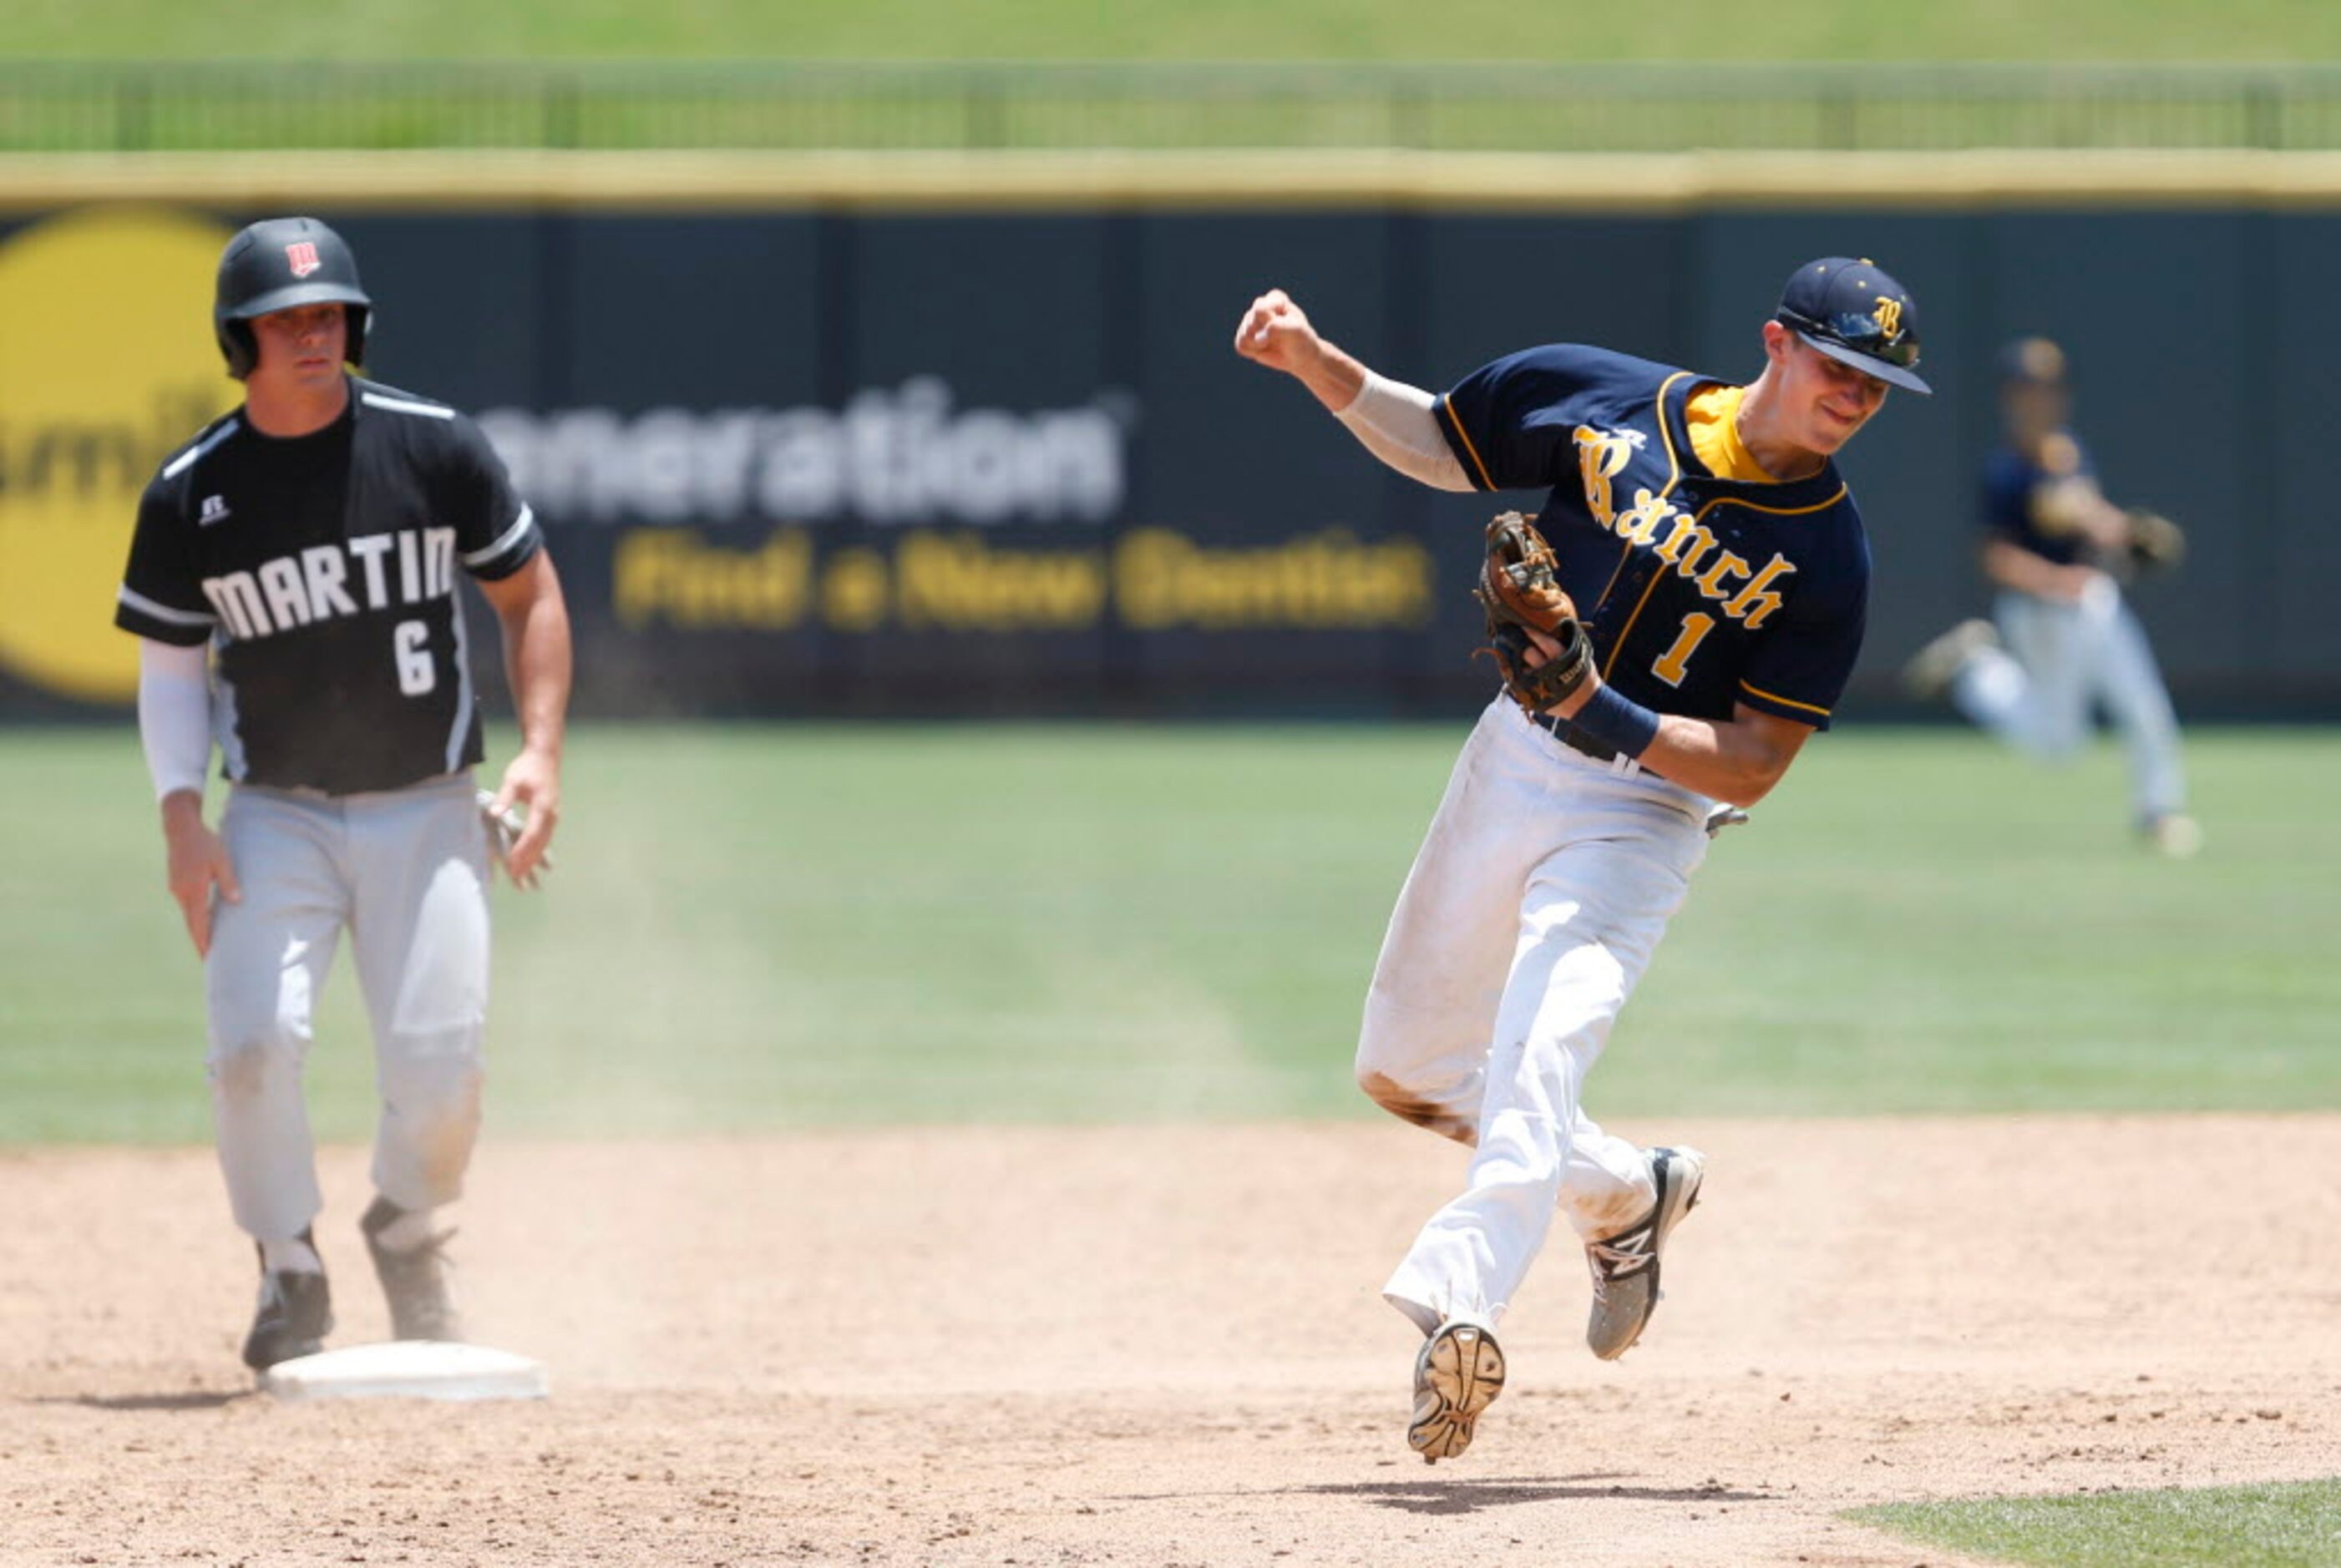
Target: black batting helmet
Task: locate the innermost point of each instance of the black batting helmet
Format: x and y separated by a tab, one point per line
274	265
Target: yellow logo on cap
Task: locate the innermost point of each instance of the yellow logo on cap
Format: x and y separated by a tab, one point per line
1889	315
106	367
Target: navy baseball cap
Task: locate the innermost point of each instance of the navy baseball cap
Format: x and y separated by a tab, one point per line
1856	313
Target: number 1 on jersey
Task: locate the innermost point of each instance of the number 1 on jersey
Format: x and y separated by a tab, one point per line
1671	664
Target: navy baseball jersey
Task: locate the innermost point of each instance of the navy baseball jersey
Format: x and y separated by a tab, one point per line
2016	484
322	569
1698	591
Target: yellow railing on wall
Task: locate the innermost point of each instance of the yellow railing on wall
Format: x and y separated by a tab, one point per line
1089	182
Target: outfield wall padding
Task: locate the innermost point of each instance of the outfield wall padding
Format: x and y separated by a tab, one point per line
836	458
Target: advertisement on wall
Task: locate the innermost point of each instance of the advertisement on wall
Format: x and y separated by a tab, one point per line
907	516
973	532
843	463
101	379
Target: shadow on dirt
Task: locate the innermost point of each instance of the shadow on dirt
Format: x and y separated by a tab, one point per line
1433	1495
202	1399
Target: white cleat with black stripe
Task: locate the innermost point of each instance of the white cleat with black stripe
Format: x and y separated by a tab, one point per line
1626	1265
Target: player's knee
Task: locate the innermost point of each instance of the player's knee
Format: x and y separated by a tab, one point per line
1381	1087
1412	1105
1381	1064
247	1055
433	1082
431	1106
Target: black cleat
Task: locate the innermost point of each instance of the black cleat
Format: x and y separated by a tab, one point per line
414	1282
294	1315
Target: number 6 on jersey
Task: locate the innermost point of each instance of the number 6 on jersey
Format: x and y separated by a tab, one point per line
410	642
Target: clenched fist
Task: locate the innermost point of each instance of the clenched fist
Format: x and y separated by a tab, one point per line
1277	333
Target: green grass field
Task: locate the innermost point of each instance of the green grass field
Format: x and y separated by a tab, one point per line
1797	30
2296	1526
775	925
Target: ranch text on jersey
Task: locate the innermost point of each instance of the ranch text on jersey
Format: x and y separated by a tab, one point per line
1701	590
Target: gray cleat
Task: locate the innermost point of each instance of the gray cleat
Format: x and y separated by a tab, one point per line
1626	1265
1459	1375
414	1282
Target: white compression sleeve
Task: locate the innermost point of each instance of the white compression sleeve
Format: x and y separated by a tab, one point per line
175	714
1396	423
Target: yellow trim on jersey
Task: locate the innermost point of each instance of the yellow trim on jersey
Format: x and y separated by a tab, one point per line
1768	510
1665	431
1618	647
1783	701
1464	436
1674	473
1624	635
1711	413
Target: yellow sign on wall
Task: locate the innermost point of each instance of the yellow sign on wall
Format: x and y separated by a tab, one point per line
934	579
106	366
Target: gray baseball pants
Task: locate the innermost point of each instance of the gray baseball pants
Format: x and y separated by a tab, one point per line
404	873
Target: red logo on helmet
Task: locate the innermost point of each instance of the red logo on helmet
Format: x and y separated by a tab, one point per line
302	254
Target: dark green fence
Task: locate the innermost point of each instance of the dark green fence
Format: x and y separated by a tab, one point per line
62	107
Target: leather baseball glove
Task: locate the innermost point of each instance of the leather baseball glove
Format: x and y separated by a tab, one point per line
2156	543
1520	591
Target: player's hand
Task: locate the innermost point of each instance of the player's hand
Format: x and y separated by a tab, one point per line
531	780
1543	649
1275	332
198	864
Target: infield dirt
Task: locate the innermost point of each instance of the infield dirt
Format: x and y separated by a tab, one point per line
1164	1345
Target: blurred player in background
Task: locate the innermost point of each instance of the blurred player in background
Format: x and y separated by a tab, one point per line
2065	642
293	576
1715	577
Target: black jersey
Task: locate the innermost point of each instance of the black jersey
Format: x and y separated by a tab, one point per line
322	569
1699	592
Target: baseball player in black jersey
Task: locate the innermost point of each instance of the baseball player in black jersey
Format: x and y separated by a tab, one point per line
293	576
1720	576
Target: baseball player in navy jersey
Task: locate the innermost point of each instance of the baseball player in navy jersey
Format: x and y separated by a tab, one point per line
2057	550
1720	573
293	576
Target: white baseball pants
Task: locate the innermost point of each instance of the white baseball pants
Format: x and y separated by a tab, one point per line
2061	659
405	873
1534	906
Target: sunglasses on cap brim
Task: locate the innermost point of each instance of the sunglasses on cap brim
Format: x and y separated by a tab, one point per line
1860	332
